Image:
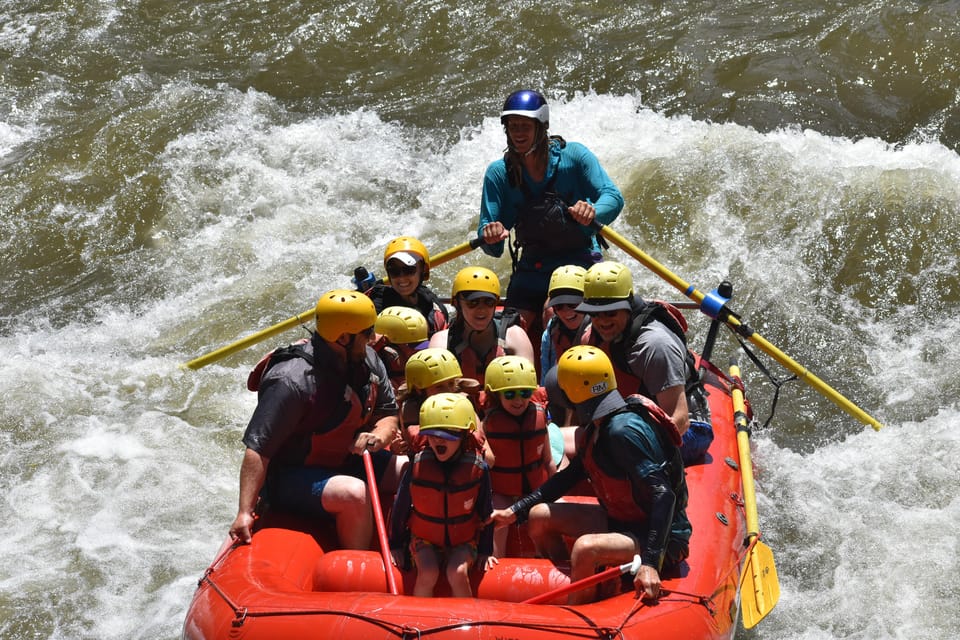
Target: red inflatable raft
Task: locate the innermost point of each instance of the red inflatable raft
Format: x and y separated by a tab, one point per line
292	581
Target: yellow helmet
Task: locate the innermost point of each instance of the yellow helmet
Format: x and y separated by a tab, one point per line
584	372
607	286
447	412
344	311
476	279
510	372
401	325
410	246
431	366
566	285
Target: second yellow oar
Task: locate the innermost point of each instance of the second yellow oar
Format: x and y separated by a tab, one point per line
759	584
741	328
308	315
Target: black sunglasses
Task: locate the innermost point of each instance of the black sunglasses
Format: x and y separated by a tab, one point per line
510	394
565	305
395	271
473	304
602	314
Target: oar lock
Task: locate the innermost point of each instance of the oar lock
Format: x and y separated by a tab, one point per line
714	302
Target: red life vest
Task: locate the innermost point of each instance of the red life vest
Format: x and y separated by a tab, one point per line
517	444
294	350
472	364
394	358
444	504
616	493
331	448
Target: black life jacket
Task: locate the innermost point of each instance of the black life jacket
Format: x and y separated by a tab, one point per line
543	224
429	304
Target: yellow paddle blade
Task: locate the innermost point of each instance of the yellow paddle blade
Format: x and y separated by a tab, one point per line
759	585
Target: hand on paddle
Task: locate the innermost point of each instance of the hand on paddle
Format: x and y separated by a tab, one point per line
647	582
583	212
494	232
368	440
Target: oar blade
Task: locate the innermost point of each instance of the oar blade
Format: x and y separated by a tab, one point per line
759	585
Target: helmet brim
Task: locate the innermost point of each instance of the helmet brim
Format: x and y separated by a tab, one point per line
596	306
443	434
564	299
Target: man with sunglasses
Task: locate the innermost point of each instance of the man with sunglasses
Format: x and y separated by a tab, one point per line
317	410
407	265
647	344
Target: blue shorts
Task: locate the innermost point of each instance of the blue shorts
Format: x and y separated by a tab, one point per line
299	490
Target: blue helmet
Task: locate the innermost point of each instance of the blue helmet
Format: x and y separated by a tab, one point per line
526	103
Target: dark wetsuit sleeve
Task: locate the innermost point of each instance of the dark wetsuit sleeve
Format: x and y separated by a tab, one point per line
399	532
484	509
555	487
280	409
630	451
659	519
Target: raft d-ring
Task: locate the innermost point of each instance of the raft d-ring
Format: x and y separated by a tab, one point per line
722	518
241	614
408	633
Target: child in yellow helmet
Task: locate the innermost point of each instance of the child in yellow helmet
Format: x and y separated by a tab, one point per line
443	501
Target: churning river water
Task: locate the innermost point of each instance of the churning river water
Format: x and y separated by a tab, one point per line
174	176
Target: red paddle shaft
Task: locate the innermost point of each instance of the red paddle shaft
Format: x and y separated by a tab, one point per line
612	572
378	518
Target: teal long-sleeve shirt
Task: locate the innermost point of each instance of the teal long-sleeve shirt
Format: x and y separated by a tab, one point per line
579	177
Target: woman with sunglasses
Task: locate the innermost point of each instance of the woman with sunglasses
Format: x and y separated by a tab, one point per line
646	342
476	335
549	192
516	427
407	265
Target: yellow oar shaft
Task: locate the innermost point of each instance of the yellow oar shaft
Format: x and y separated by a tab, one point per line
759	567
454	252
252	339
698	296
743	448
308	315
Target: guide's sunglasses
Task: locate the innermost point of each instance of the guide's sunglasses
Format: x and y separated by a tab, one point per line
395	271
510	394
473	304
602	314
